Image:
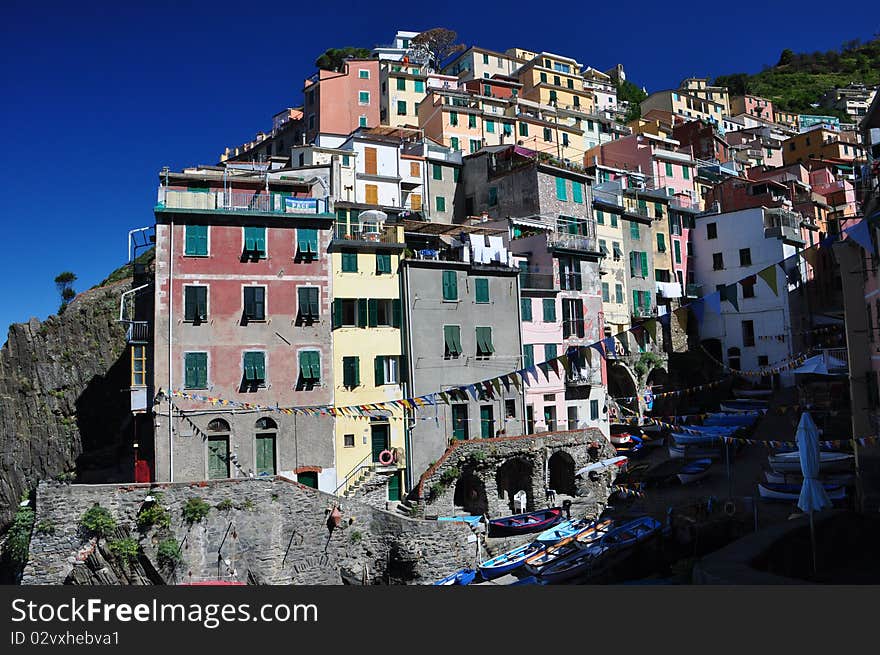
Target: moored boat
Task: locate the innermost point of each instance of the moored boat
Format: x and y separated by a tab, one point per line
609	545
526	523
562	549
509	561
695	470
828	461
796	478
687	451
619	461
562	530
792	492
462	577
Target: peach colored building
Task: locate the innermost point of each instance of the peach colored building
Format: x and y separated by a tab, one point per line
753	106
341	102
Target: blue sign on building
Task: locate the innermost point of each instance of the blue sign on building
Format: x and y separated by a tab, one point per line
298	205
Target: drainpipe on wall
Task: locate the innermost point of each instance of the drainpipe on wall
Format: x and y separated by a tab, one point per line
170	337
406	324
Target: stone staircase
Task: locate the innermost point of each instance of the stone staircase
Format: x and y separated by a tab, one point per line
361	479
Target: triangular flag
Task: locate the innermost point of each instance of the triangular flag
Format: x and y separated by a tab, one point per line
599	346
698	307
791	268
545	369
729	293
472	390
713	301
609	344
505	380
588	355
496	384
811	256
554	364
861	234
566	364
769	276
681	315
651	328
515	379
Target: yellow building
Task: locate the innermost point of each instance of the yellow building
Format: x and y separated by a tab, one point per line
821	143
555	80
700	88
402	88
366	342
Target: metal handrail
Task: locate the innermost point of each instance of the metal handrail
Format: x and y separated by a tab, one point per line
360	465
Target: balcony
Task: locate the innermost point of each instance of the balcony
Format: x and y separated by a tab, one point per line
606	198
529	279
584	377
783	224
836	360
232	201
138	332
366	233
643	311
572	242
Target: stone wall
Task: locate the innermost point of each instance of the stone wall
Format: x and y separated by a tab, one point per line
496	467
264	518
61	407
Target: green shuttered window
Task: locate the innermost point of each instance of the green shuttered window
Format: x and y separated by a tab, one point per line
310	365
307	242
196	371
195	304
351	371
349	262
254	366
383	264
549	305
481	287
526	305
308	303
560	189
549	351
484	342
255	241
255	303
196	240
451	341
577	192
450	285
528	355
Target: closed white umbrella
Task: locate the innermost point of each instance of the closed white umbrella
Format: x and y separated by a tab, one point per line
813	497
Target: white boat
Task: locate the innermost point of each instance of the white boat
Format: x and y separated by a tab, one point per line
620	439
695	470
828	461
796	478
619	461
752	393
792	492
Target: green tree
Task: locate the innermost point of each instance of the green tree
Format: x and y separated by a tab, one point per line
785	58
64	283
737	83
629	92
333	59
440	42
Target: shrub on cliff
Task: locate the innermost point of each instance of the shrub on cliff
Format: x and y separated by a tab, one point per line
97	521
195	510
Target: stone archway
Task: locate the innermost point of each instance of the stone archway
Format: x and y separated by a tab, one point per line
658	380
560	469
470	494
622	384
515	475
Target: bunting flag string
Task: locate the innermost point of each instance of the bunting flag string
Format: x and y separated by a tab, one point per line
776	367
858	233
678	392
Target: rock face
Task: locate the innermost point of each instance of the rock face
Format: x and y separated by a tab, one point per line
258	530
61	407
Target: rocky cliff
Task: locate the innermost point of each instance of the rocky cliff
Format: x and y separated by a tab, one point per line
62	401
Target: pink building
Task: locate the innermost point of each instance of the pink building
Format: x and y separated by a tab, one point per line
667	167
753	106
341	102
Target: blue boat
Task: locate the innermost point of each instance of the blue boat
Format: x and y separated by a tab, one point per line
735	419
528	580
694	470
687	439
562	530
595	556
509	561
463	577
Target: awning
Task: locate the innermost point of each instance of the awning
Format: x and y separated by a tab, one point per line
818	365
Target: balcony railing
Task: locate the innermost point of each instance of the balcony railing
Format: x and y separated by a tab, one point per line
782	223
584	376
535	280
572	241
839	354
607	198
138	332
643	311
463	253
239	201
345	232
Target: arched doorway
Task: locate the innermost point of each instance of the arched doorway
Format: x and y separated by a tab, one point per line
217	464
265	458
470	495
515	475
658	381
560	468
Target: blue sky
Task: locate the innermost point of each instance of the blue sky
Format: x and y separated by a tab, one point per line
98	96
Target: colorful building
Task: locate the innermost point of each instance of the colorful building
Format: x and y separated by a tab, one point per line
753	106
242	299
341	102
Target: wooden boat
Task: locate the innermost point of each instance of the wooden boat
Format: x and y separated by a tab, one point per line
565	529
562	549
619	461
828	461
792	492
596	531
796	478
527	523
463	577
509	561
611	544
695	470
752	393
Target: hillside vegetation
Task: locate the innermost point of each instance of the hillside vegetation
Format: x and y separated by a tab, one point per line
798	81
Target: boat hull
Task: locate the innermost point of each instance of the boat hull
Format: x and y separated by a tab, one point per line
828	462
509	561
788	492
527	523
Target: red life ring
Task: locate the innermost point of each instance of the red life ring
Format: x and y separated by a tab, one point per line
386	457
